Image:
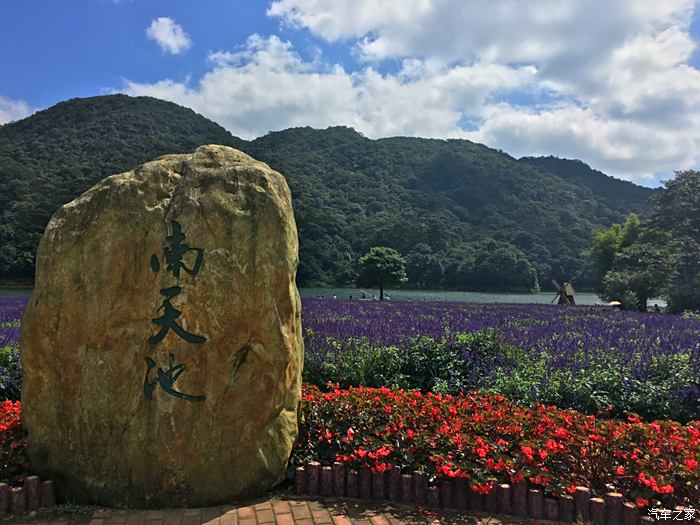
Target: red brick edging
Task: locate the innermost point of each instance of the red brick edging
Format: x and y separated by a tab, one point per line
34	494
514	500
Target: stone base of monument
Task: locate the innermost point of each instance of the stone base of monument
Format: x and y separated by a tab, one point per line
519	499
32	495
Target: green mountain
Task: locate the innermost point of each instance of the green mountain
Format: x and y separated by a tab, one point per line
465	215
55	155
609	190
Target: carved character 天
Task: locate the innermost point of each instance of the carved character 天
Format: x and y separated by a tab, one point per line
167	320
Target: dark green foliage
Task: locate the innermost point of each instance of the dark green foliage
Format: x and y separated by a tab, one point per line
428	365
677	213
459	363
629	263
501	266
381	267
437	202
10	373
422	267
451	196
609	383
614	193
52	157
639	273
641	260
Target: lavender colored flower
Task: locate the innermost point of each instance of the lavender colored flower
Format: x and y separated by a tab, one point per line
570	356
11	309
575	357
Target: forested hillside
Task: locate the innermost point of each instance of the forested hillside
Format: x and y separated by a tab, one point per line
612	192
464	215
48	159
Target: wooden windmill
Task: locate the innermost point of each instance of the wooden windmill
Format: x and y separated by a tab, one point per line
565	294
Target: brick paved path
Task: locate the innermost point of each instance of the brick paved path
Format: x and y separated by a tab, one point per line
282	511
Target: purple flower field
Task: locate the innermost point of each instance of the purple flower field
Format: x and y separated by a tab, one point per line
569	356
574	357
562	332
11	309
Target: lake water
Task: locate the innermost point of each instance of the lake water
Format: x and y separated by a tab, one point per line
414	295
439	295
419	295
14	292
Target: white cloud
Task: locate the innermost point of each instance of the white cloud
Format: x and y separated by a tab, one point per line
168	35
631	150
348	18
607	82
11	110
500	30
267	86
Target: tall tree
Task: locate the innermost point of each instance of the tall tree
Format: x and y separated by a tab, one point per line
382	267
607	242
677	212
661	256
640	272
677	208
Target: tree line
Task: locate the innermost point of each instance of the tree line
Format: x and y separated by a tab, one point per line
463	215
634	261
642	259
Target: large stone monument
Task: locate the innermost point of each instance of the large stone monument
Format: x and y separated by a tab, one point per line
162	344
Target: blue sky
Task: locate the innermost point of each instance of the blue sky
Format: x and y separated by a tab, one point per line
85	46
616	85
81	48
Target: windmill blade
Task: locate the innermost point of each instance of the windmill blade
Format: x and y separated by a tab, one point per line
556	285
555	298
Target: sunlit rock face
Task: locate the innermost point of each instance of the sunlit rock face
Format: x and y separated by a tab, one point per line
162	344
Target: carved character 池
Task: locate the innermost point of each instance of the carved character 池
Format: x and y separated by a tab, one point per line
166	379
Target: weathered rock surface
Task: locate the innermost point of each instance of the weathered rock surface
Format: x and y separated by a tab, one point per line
122	299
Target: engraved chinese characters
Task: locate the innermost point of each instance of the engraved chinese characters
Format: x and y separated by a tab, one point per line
173	255
166	379
162	345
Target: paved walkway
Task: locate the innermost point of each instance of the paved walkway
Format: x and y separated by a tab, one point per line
277	510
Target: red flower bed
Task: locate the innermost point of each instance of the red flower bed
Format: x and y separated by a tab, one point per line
481	437
487	439
13	443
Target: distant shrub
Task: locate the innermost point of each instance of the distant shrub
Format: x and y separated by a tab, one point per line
446	365
693	315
